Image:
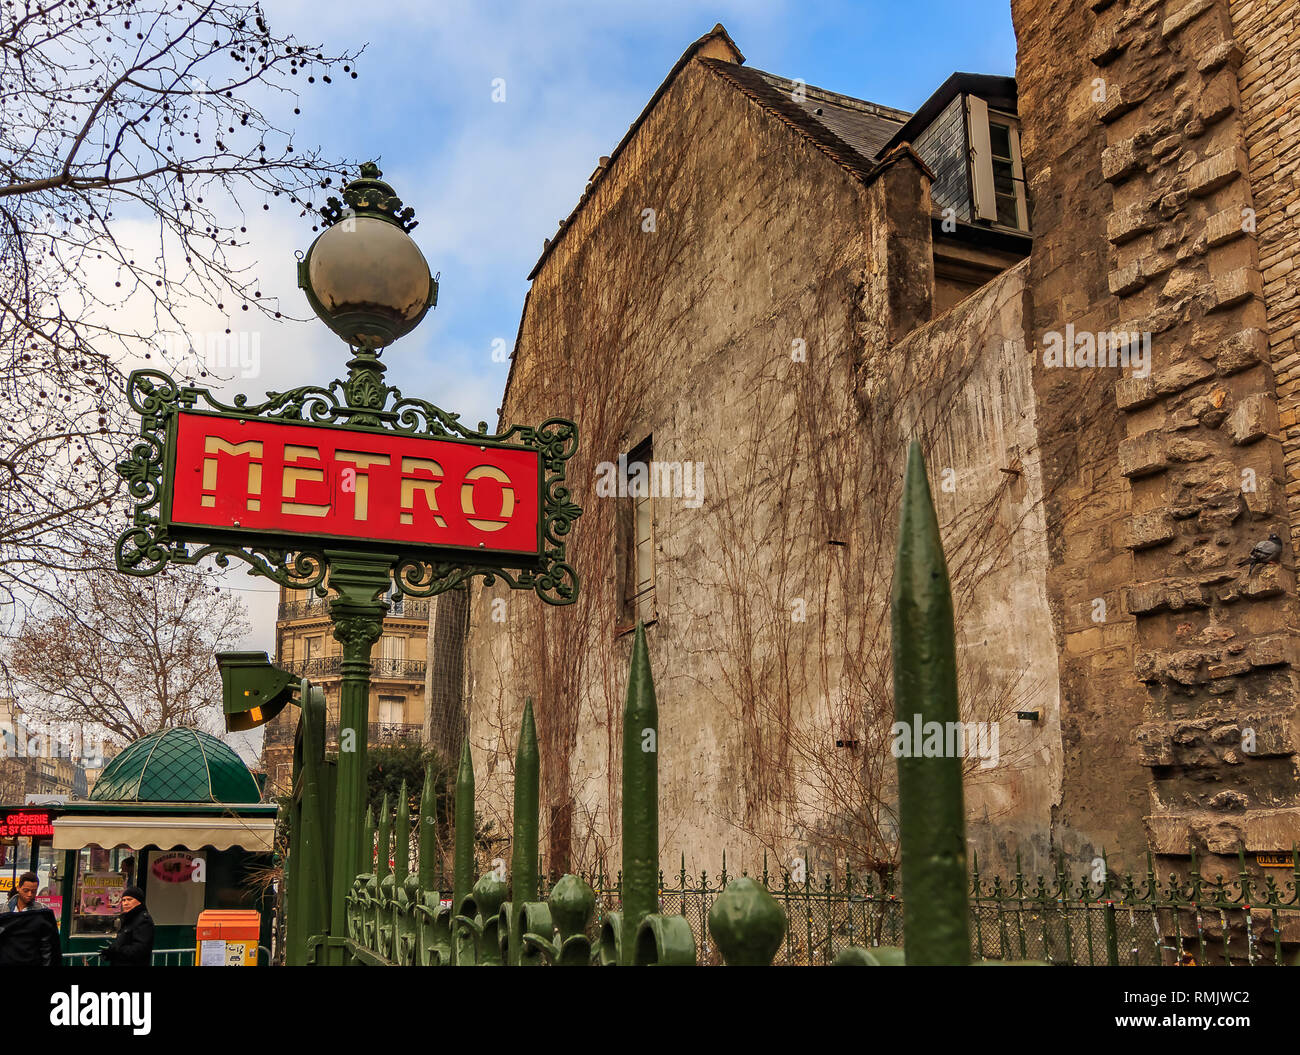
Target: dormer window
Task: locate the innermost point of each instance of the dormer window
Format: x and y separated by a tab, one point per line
997	178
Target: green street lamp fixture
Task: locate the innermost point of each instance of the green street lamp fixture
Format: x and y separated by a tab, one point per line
252	690
364	275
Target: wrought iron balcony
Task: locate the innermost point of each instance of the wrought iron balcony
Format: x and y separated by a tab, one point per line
400	669
409	608
318	608
315	608
394	669
379	732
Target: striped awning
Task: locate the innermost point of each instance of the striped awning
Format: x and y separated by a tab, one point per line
255	834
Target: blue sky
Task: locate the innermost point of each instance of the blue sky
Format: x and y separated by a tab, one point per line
489	181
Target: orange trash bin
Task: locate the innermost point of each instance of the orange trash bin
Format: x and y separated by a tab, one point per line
227	937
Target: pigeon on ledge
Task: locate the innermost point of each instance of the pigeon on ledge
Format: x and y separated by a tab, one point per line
1263	553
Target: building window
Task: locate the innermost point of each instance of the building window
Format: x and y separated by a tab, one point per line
636	538
997	176
392	710
393	646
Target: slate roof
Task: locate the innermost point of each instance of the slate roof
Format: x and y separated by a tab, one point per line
849	130
865	126
852	131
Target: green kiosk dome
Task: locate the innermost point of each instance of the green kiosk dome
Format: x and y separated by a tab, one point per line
176	765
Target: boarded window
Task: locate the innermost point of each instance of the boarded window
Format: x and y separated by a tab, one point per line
636	538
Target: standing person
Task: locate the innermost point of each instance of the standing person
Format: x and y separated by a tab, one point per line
29	934
24	896
133	946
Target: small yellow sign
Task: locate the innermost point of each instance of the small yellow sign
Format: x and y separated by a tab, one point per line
218	952
1273	860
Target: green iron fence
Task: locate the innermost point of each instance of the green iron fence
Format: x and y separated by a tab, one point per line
158	958
398	914
1129	921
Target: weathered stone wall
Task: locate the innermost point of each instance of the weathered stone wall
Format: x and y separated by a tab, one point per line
985	464
1267	35
1103	787
767	329
759	240
1144	96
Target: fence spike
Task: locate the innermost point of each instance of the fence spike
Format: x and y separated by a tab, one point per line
640	797
523	849
428	838
402	842
932	823
462	881
368	839
385	848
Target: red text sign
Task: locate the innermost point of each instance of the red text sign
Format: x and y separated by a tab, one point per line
314	482
25	824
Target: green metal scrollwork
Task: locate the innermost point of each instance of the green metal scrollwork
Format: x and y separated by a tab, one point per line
571	906
146	547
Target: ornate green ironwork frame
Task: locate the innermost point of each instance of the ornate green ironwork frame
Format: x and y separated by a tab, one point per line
364	402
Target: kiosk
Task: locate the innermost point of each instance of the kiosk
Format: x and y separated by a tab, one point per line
178	814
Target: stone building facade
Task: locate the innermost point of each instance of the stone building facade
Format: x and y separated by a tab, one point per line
305	644
761	292
1158	178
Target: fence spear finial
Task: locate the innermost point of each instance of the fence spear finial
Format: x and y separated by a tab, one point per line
523	856
932	822
428	829
463	868
402	838
640	876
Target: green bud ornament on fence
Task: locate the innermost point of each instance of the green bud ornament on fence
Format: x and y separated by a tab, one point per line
398	919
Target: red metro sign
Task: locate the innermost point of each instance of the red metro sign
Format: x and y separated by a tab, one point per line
256	479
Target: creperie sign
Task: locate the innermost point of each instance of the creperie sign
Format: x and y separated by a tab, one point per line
26	823
232	476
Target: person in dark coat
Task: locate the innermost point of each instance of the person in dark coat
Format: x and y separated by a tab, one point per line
29	938
24	895
133	946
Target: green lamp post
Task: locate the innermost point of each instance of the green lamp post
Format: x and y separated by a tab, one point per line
285	486
369	283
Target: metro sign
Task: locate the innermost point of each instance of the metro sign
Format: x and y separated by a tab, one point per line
305	478
232	478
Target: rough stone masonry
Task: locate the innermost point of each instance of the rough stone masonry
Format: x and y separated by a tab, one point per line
1162	173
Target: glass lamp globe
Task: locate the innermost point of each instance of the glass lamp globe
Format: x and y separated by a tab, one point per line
365	276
